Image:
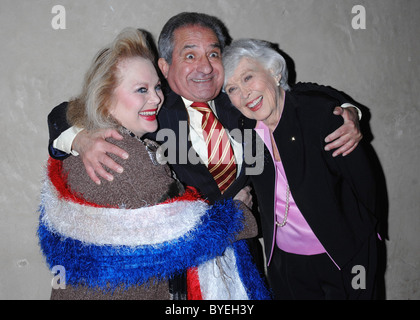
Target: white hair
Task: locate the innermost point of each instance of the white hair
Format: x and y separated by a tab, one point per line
259	50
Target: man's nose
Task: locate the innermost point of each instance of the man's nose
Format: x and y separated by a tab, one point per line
204	65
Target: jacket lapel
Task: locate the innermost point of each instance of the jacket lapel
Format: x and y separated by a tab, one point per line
289	139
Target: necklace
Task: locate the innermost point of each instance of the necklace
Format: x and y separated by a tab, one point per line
286	209
152	147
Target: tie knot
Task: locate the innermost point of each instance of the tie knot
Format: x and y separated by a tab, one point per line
201	106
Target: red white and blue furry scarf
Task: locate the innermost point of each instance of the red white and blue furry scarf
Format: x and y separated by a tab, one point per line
109	247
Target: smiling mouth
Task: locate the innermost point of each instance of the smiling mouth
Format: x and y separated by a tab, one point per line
254	103
201	80
149	115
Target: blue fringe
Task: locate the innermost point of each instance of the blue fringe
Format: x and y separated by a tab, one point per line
249	274
108	267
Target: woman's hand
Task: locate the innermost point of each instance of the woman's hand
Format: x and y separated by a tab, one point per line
346	138
93	150
245	196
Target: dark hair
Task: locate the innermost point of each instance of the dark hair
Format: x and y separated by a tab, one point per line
165	42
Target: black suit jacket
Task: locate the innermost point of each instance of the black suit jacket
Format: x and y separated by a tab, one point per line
174	116
335	195
57	124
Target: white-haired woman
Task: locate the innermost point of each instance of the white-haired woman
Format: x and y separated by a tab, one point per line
317	211
132	237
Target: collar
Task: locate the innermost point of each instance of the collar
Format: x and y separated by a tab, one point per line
188	104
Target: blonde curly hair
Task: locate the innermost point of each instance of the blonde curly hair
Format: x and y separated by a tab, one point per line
91	109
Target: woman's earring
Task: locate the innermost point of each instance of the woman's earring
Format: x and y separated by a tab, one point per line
276	78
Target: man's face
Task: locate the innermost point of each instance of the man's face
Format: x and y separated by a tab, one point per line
196	72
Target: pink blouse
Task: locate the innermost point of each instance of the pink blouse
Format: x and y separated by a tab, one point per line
296	236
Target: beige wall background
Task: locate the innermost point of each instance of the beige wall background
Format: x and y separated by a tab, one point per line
378	66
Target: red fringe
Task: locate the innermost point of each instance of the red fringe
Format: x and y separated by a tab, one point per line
190	194
59	180
193	285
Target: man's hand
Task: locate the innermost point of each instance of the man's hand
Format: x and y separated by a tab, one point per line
245	196
346	138
92	148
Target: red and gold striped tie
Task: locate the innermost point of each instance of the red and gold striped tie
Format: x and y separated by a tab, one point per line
221	163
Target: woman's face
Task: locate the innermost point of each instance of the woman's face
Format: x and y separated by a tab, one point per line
138	97
253	90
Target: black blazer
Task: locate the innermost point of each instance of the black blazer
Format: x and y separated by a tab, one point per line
335	195
173	115
57	124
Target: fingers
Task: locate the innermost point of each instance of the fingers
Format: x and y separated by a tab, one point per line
349	114
91	173
94	150
247	189
96	159
345	149
338	111
107	147
111	133
340	136
112	148
346	138
94	166
93	170
245	196
345	153
344	144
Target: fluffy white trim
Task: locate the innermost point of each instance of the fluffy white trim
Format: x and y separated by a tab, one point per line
220	280
130	227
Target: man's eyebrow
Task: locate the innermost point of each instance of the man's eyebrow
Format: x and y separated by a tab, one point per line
189	46
192	46
216	45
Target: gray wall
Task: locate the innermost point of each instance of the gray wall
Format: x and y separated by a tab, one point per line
378	66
